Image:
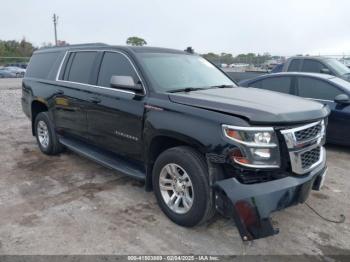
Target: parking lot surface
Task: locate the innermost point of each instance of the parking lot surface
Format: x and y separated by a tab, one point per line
70	205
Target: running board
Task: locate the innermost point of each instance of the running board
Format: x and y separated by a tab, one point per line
104	158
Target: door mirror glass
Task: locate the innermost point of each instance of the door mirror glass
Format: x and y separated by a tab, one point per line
342	99
326	71
125	82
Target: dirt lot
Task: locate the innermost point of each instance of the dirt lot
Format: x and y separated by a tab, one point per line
70	205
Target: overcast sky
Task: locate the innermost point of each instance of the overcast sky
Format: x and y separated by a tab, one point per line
284	27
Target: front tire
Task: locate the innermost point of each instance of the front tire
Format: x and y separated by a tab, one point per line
181	185
46	136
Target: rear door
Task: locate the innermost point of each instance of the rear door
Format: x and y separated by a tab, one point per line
72	95
115	118
324	92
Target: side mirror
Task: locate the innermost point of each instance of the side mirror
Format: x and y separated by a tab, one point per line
125	82
342	99
326	71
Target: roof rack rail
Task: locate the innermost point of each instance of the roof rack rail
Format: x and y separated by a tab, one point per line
88	44
74	45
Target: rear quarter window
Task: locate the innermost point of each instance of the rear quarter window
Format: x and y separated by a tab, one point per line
41	64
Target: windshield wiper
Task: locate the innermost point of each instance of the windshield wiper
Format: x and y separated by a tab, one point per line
187	89
222	86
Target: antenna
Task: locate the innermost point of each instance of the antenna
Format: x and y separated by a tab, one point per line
55	21
189	50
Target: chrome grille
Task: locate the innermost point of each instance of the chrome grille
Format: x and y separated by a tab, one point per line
304	144
308	133
310	157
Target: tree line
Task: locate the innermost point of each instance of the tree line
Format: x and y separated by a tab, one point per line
23	48
249	58
13	48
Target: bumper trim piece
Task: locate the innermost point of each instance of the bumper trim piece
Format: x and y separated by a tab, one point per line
250	205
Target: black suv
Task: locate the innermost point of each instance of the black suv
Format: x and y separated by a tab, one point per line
174	120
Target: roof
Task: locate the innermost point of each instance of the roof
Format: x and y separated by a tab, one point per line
310	57
319	75
134	49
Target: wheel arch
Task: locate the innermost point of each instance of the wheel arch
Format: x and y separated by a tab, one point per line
37	107
161	142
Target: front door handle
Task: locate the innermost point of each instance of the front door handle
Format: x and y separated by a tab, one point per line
95	100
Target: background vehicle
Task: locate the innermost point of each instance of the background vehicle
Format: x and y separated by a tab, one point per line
175	121
6	74
19	72
20	65
317	64
278	68
326	89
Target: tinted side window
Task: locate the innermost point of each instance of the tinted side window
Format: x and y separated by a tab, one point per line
256	84
41	64
312	66
294	65
314	88
278	84
81	67
115	64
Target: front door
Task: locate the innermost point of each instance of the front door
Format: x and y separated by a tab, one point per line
324	92
115	116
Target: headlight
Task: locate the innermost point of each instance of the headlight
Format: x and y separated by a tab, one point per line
262	137
257	146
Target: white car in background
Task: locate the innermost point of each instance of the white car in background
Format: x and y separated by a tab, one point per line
19	72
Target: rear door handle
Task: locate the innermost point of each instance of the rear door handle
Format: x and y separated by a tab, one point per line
95	100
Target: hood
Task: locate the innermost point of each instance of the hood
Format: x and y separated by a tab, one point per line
259	106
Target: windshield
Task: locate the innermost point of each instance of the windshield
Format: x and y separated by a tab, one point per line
170	72
339	67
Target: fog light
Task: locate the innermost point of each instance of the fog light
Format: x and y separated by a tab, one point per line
237	156
262	153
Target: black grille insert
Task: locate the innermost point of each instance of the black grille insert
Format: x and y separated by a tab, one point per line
308	133
310	157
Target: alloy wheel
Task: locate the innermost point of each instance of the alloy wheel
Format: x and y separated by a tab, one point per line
43	134
176	188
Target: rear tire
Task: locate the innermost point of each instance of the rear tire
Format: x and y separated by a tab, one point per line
46	136
191	174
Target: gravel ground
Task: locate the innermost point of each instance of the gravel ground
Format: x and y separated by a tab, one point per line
69	205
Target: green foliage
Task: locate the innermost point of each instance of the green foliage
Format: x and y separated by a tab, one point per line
13	48
136	41
225	58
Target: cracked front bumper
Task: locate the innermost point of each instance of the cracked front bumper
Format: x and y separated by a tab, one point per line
250	205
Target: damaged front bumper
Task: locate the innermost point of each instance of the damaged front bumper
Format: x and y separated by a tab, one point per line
250	205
